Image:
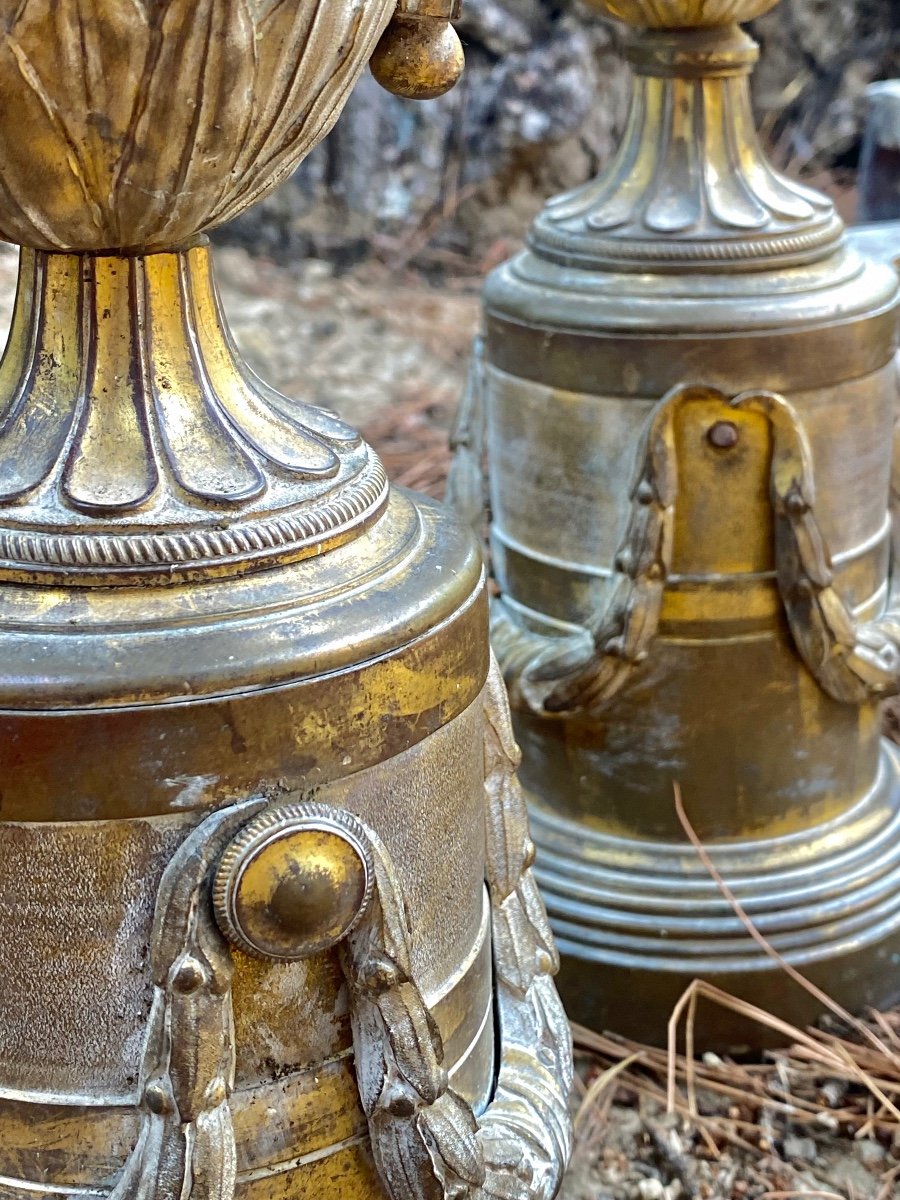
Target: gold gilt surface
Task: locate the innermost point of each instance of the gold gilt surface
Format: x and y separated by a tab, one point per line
669	14
148	122
129	427
694	571
212	608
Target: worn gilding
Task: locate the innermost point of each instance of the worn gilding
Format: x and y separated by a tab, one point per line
253	747
687	393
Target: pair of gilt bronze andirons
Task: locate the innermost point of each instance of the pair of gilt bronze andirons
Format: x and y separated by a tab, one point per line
268	922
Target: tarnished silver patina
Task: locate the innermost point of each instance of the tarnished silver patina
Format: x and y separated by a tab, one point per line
688	392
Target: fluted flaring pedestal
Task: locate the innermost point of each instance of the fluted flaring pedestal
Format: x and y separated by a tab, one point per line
690	186
135	444
690	396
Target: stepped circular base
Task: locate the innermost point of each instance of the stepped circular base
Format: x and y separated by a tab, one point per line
637	921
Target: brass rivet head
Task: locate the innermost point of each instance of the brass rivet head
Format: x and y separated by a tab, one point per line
645	493
380	975
796	503
544	963
724	435
399	1101
294	882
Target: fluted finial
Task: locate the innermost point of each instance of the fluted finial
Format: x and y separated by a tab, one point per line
683	14
690	187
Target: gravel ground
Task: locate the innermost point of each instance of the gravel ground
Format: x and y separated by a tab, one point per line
370	345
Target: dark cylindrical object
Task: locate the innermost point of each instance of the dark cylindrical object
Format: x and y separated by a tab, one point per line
879	166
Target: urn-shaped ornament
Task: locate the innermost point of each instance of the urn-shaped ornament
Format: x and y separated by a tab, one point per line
268	921
688	393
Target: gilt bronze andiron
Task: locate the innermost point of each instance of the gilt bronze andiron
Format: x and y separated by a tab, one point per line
252	748
688	391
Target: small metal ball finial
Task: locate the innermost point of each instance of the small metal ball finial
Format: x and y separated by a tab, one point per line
419	56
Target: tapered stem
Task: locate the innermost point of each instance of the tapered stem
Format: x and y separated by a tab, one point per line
690	182
128	418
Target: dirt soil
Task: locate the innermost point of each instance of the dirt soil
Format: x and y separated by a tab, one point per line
385	350
817	1120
